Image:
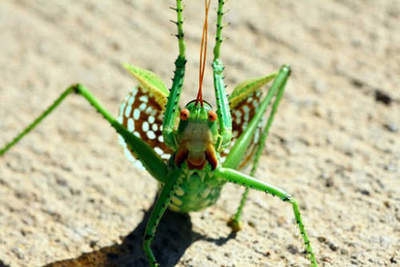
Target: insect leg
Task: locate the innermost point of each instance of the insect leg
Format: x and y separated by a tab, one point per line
223	110
152	162
31	126
278	93
160	207
171	110
242	143
245	180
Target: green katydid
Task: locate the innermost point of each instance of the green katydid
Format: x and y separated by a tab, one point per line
193	151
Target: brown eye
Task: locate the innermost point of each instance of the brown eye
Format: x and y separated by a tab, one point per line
212	116
184	114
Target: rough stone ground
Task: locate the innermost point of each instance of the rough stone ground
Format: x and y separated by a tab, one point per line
67	188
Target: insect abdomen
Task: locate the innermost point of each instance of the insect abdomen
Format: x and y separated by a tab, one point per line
197	191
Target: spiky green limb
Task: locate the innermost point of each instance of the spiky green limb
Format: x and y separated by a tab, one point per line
276	91
223	111
160	207
172	108
31	126
240	146
236	177
151	161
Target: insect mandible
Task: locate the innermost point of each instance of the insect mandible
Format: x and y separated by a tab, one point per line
193	151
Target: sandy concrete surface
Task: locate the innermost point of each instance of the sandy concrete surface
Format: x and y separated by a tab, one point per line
68	193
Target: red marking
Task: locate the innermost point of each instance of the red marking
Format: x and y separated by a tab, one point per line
197	164
212	116
180	156
211	156
184	114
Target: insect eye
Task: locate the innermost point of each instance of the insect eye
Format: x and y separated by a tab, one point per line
184	114
212	116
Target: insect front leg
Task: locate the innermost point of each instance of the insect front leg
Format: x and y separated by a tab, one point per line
160	207
248	181
171	110
223	110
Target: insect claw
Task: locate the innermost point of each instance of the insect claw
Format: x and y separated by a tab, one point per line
235	225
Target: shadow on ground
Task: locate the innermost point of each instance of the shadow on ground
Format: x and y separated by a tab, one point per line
174	235
2	264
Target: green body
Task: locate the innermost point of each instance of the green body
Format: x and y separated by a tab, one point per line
197	190
194	151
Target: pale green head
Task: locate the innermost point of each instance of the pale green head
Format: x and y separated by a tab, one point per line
197	135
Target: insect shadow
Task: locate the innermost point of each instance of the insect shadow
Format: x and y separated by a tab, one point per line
174	236
2	264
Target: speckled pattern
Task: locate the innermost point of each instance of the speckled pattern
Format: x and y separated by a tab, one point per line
196	191
67	189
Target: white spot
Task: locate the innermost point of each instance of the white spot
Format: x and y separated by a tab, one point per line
130	100
154	127
238	120
158	150
128	154
128	111
238	113
121	109
246	109
137	134
165	156
151	135
151	119
142	106
145	126
160	138
134	91
246	116
121	141
144	98
235	134
149	110
136	114
131	125
120	118
138	164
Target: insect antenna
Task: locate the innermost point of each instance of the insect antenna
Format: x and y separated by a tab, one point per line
203	54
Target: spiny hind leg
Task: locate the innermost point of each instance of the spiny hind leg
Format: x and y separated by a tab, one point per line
236	177
235	221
